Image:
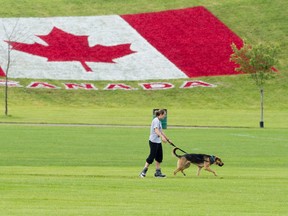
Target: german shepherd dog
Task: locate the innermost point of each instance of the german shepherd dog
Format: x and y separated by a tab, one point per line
200	160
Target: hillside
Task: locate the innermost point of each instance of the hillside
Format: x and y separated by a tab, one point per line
234	102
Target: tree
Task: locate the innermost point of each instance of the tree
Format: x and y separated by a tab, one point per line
259	62
9	49
8	60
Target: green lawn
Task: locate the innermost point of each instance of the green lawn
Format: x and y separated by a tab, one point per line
235	102
81	170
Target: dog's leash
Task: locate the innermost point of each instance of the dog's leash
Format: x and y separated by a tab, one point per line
171	143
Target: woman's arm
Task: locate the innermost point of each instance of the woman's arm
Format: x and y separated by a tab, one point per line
161	134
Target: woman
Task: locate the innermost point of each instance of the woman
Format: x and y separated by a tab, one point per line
156	152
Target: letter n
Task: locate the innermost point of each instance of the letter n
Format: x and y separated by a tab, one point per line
86	86
42	85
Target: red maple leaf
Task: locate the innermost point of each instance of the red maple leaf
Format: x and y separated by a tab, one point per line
63	46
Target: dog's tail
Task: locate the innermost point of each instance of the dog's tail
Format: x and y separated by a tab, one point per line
174	152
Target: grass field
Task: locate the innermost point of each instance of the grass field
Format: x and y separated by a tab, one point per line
94	171
81	169
235	102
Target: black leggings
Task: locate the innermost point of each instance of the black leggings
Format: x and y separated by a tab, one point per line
156	152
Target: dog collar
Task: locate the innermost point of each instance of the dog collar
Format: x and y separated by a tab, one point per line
212	159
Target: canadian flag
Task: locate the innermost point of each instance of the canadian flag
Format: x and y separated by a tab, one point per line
172	44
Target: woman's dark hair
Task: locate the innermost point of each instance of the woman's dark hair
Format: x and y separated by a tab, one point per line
160	112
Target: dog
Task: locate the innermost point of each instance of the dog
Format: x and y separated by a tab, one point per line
200	160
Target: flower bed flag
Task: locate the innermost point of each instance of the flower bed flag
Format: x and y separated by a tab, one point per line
172	44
